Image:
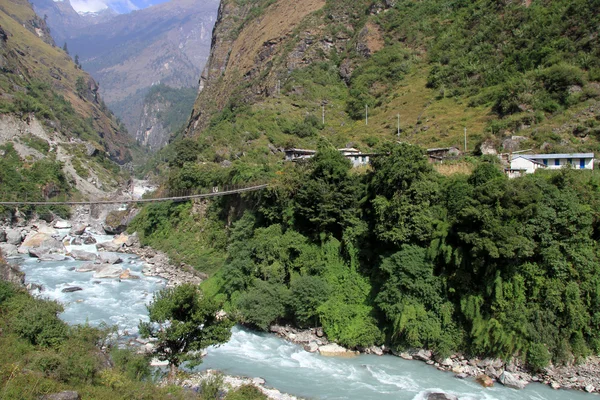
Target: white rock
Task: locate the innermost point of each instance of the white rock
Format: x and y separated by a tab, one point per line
511	381
108	258
14	237
81	255
110	271
334	349
590	388
62	224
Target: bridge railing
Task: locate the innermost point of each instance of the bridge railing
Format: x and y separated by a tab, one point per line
16	199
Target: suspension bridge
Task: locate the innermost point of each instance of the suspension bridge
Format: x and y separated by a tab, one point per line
177	196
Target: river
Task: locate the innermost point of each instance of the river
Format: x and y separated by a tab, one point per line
284	366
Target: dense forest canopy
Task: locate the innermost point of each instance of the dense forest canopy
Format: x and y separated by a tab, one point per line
409	257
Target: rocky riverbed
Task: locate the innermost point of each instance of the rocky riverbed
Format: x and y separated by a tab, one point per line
487	371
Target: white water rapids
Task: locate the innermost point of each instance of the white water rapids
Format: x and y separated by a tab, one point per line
284	366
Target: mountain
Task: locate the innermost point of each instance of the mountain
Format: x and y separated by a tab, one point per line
515	75
165	44
63	18
53	121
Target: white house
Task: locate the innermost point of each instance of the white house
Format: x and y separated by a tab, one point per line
529	163
521	165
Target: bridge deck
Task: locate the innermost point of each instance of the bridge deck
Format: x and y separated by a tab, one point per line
156	200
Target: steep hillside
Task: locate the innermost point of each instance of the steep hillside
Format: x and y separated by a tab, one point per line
166	110
53	120
497	69
167	43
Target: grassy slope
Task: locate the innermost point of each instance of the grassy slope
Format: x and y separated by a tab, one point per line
429	117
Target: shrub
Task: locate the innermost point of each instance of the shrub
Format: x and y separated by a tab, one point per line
538	357
37	321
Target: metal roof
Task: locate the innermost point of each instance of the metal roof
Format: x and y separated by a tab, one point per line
554	156
528	159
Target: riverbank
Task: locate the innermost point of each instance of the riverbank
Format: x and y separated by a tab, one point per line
194	382
487	371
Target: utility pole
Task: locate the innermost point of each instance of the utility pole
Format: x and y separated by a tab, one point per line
465	139
398	126
366	114
323	107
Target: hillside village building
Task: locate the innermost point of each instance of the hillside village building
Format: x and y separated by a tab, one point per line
529	163
354	155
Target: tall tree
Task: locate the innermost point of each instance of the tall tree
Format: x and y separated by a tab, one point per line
184	322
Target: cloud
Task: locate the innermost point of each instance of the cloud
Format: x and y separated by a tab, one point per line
120	6
86	6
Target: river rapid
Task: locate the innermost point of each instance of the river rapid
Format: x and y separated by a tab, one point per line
284	366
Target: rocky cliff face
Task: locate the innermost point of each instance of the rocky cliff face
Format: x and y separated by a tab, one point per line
258	45
258	39
151	132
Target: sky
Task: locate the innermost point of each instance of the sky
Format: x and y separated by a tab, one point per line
120	6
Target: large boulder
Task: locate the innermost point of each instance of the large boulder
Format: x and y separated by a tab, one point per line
9	250
46	247
11	273
62	224
77	230
90	267
33	239
48	230
109	258
120	239
66	395
335	350
14	237
51	257
511	381
81	255
71	289
484	380
128	275
109	271
423	355
2	236
89	240
440	396
116	221
108	246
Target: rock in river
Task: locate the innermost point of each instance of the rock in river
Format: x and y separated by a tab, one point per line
108	258
108	246
511	381
109	271
81	255
484	380
77	230
334	350
71	289
440	396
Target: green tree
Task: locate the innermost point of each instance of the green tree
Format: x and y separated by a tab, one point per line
184	322
80	86
65	48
